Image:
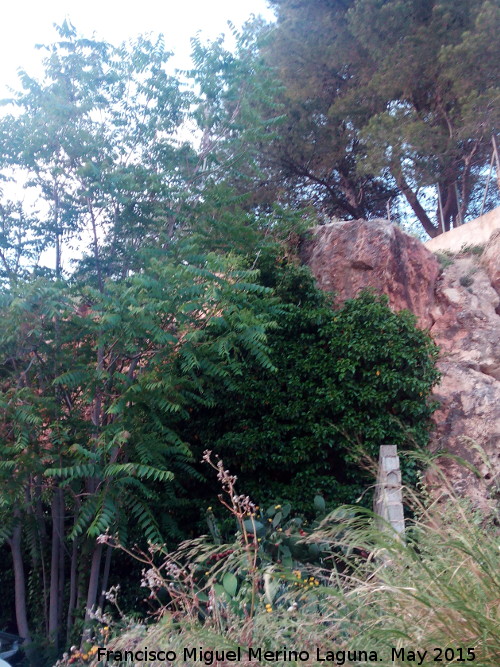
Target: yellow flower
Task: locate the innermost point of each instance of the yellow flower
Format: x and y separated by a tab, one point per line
209	509
277	507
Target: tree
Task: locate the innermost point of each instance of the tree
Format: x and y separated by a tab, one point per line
95	140
94	437
268	142
406	91
97	367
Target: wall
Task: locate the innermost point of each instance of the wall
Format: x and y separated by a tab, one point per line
476	232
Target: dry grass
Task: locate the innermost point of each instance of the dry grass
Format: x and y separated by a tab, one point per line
437	593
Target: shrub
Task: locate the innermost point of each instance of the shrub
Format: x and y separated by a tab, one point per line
472	249
344	382
445	259
466	281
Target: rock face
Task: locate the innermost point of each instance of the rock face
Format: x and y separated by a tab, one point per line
490	259
346	257
467	329
459	305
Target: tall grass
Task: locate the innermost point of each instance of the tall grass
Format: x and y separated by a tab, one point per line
436	595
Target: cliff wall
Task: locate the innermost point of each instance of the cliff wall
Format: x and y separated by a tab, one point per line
458	301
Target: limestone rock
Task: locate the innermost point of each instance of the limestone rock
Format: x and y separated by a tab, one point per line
467	329
490	259
347	257
467	426
460	307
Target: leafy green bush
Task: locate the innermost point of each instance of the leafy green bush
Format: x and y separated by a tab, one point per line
344	382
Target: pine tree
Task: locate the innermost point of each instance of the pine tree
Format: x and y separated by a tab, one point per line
405	92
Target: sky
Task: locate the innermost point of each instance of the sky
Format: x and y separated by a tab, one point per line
24	23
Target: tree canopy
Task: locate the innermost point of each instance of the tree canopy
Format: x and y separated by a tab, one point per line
390	95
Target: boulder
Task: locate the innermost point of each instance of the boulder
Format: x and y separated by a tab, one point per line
347	257
490	260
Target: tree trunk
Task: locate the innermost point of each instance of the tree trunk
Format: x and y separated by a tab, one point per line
81	574
41	529
105	576
55	566
417	207
95	243
450	206
19	582
92	590
62	568
72	589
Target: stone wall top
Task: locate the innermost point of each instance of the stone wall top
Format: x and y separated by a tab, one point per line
476	232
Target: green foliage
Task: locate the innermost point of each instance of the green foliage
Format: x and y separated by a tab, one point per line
95	141
94	385
395	95
346	381
444	259
238	113
164	337
277	533
186	324
472	249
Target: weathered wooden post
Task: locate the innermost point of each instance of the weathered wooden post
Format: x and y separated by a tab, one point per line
388	500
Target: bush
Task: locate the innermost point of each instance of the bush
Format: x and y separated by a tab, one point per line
345	381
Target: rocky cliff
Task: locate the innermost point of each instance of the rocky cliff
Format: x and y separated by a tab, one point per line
457	299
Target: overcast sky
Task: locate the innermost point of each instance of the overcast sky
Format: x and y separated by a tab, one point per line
24	23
